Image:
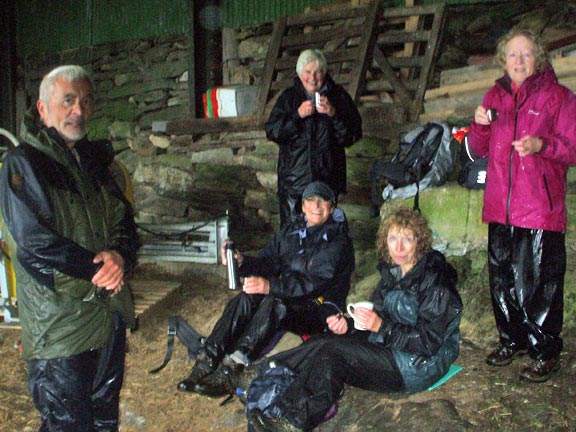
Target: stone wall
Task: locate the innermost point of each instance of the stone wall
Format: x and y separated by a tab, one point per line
184	178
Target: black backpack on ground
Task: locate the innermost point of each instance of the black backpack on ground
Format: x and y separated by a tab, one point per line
179	327
472	168
425	158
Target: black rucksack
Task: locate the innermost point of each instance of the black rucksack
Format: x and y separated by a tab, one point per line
425	158
472	168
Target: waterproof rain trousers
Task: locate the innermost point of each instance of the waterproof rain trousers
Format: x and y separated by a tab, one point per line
309	272
81	393
415	346
527	270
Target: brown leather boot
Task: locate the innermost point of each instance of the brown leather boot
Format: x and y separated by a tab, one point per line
540	370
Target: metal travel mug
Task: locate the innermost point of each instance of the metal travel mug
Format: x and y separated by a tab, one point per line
233	278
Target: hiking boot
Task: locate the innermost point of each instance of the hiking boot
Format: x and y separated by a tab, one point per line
241	378
540	370
263	423
503	355
202	368
216	384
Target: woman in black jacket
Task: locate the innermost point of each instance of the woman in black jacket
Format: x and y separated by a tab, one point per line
311	135
295	283
412	334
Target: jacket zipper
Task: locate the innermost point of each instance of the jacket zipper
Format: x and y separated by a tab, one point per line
509	198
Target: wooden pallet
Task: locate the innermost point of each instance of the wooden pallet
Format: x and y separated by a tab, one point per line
148	294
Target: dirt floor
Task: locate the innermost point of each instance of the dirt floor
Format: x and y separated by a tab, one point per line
490	399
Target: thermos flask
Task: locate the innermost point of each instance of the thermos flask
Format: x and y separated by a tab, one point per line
233	279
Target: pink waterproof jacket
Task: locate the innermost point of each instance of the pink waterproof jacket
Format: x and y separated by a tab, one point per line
530	191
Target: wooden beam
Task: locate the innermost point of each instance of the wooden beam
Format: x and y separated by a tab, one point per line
400	89
209	125
365	49
270	64
429	59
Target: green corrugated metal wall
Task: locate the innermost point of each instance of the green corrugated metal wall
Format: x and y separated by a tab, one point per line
55	25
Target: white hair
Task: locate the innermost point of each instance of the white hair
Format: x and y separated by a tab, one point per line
311	55
67	72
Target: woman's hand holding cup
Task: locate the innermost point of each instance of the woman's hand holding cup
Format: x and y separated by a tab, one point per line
364	316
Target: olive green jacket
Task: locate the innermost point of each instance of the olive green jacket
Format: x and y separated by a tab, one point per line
58	213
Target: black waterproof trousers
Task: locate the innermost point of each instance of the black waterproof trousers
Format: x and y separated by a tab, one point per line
81	393
249	322
324	364
527	270
290	205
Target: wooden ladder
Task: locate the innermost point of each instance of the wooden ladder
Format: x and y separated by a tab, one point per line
365	49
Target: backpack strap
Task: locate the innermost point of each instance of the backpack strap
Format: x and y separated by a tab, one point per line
178	326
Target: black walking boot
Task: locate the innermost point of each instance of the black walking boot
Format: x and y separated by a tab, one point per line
216	384
203	367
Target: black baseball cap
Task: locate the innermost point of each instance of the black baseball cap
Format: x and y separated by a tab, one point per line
320	189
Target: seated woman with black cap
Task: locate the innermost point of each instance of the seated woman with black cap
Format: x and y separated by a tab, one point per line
295	283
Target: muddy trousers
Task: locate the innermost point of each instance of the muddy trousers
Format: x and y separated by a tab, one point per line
81	393
527	270
324	364
250	322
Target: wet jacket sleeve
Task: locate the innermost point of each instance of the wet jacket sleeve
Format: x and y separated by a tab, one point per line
479	135
561	145
326	272
284	124
347	121
28	216
437	308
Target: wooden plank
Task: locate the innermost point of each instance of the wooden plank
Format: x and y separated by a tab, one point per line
148	294
270	64
429	59
319	37
399	88
365	50
392	37
405	12
336	56
410	26
322	17
214	125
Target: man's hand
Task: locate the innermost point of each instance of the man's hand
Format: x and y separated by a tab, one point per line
256	285
111	274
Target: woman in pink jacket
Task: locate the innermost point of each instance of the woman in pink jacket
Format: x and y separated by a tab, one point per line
527	126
